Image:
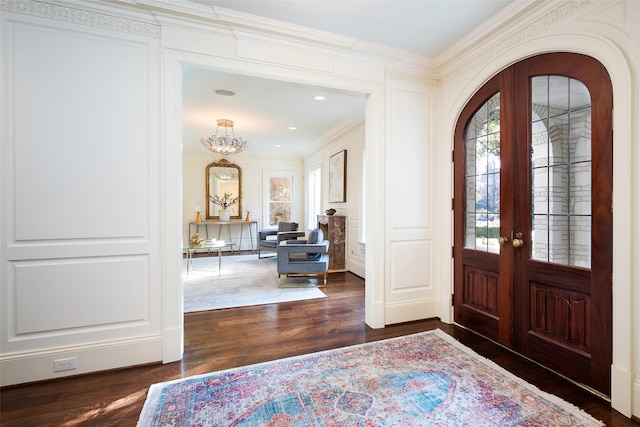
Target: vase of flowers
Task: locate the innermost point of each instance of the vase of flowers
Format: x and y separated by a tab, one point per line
224	215
225	202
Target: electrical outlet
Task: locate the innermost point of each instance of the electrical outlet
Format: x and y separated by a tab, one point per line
65	364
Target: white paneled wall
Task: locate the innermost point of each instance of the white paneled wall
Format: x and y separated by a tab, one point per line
81	240
409	291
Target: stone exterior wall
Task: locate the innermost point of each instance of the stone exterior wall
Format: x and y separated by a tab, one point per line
561	191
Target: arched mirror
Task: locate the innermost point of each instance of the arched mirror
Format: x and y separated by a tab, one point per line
224	185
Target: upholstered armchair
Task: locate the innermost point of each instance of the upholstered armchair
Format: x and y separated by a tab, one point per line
304	257
270	239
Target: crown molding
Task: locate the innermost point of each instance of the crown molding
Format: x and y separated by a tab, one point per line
238	22
82	16
543	15
411	78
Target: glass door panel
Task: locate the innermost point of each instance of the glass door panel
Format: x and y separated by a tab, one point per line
560	171
482	178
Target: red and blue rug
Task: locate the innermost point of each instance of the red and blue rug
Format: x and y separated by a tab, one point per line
426	379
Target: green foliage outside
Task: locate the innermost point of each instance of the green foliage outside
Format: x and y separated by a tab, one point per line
488	232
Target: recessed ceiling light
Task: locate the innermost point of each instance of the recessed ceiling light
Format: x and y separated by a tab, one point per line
319	98
277	146
225	92
292	128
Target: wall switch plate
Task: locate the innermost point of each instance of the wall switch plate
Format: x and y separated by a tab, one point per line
65	364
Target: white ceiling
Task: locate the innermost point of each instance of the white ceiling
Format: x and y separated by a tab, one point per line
263	109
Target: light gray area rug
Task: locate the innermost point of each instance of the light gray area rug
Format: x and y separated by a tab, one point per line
244	280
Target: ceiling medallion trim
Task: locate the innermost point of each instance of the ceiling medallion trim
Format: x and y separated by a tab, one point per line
517	38
81	16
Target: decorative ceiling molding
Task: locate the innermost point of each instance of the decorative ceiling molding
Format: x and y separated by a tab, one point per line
81	16
177	4
238	22
525	34
411	78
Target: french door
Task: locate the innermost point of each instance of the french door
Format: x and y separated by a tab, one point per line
533	219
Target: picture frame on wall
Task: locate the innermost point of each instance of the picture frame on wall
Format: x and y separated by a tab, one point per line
338	177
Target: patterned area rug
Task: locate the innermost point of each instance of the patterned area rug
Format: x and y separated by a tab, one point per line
426	379
244	280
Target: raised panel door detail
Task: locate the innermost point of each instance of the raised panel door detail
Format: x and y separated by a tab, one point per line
560	315
481	290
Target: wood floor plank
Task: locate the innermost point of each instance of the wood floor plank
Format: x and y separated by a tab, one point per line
223	339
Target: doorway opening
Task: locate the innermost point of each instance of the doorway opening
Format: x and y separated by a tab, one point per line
258	102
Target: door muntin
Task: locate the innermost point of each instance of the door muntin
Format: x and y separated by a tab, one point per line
560	145
482	178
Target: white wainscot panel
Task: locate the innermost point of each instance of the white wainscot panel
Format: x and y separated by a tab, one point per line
410	159
409	295
409	266
87	158
53	295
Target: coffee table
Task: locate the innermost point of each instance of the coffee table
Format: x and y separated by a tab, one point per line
217	245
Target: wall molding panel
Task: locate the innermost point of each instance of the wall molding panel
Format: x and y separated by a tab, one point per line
45	293
81	241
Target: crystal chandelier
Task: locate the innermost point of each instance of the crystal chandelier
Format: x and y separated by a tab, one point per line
226	174
225	144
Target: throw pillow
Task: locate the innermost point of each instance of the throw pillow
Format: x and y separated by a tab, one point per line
315	236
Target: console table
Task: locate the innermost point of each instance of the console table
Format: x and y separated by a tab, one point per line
334	229
227	224
217	245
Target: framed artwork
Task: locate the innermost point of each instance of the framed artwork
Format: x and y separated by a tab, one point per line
338	177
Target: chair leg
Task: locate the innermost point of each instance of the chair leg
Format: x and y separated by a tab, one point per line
261	257
318	276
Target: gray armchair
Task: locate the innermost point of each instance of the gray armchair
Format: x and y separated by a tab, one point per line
270	239
304	257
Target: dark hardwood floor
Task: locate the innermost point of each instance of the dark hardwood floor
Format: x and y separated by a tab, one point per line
223	339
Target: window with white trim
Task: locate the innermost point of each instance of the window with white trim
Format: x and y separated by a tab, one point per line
278	189
314	196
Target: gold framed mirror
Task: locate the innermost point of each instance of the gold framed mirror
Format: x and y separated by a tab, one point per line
223	178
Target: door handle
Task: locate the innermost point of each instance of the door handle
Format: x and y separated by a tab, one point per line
503	240
517	241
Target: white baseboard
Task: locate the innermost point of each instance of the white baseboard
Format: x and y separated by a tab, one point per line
446	310
412	310
356	268
39	365
622	389
173	347
620	404
374	317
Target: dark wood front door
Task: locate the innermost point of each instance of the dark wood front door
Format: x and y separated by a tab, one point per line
533	219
